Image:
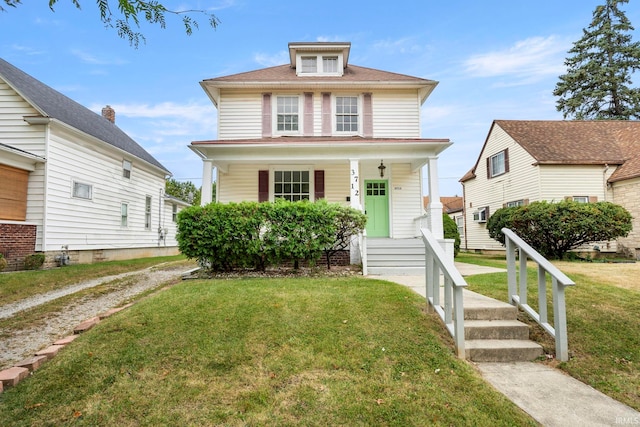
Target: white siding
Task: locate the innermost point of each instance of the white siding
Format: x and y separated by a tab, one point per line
17	133
240	116
396	115
521	182
168	225
405	200
95	224
336	183
560	181
239	183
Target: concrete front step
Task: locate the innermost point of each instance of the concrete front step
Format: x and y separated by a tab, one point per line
502	350
495	330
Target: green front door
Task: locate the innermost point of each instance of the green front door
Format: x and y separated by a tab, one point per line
376	206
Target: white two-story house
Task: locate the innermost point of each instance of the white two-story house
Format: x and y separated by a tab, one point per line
72	178
322	128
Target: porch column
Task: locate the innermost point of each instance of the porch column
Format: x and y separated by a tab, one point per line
434	209
354	176
354	197
207	180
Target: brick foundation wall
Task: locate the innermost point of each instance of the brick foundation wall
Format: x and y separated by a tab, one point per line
16	242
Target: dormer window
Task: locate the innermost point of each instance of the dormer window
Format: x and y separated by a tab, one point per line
309	64
329	64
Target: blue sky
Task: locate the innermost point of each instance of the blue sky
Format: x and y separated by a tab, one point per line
494	59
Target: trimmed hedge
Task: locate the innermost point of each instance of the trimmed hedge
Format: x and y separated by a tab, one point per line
251	235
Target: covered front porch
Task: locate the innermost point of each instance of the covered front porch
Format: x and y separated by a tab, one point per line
385	178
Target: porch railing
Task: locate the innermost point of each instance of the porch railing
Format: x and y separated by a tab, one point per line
452	314
517	282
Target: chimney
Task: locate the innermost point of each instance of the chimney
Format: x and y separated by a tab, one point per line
109	113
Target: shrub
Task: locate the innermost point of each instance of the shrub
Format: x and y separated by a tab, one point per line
3	262
347	222
33	261
254	235
451	232
553	229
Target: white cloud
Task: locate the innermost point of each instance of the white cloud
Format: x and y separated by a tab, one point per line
528	60
402	45
96	60
267	60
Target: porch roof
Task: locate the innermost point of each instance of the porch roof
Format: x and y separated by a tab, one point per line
318	149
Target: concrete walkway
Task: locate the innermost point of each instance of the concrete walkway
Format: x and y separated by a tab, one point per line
550	396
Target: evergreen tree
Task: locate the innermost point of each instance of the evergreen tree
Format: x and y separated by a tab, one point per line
599	69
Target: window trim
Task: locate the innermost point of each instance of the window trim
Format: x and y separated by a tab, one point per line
124	214
300	114
74	194
127	168
148	204
334	114
293	168
320	63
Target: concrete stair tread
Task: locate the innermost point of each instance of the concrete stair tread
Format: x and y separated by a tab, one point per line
502	350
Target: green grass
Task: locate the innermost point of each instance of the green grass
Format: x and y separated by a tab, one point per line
603	326
286	351
15	286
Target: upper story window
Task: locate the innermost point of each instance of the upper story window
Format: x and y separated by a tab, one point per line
330	64
498	164
346	113
126	169
287	116
82	190
309	64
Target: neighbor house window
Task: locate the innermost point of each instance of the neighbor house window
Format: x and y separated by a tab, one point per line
497	164
174	213
124	214
287	114
126	169
581	199
347	113
82	190
292	185
329	64
309	64
147	213
481	215
460	224
515	203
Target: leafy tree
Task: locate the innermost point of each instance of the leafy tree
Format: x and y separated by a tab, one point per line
125	16
553	229
598	78
347	222
185	190
451	232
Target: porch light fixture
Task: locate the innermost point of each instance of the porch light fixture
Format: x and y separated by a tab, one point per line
381	168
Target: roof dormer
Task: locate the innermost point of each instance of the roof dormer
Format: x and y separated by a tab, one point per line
319	58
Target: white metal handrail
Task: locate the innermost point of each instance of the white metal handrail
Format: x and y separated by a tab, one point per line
362	237
518	290
452	314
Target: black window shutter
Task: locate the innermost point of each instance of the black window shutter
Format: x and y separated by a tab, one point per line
318	182
263	186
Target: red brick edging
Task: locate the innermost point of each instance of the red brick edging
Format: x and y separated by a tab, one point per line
21	370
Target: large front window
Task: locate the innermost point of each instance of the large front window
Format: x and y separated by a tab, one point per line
287	114
347	113
292	185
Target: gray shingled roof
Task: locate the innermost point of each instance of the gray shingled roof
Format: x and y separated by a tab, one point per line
53	104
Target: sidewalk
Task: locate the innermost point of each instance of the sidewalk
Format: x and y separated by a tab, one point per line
551	397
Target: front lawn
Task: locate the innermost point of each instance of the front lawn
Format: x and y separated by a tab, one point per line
276	351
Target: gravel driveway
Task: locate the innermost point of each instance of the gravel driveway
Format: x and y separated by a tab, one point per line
20	344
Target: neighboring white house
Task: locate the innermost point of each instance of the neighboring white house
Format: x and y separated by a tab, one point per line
524	161
320	127
70	177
